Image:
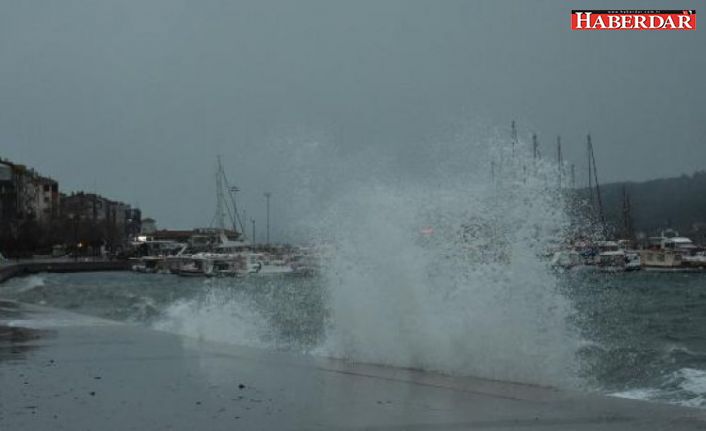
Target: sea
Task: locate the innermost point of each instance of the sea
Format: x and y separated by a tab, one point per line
637	335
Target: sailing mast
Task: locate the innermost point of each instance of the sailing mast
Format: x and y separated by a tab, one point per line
220	214
627	216
222	205
590	171
592	161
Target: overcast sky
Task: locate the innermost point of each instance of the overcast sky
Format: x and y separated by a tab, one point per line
135	98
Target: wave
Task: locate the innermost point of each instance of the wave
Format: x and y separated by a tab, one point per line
440	271
684	387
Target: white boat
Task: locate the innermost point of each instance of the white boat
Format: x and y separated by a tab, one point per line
157	254
275	267
671	252
567	259
618	261
697	260
604	256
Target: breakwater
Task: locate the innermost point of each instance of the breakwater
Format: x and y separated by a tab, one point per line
15	269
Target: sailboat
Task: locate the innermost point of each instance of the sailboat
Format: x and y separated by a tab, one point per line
230	257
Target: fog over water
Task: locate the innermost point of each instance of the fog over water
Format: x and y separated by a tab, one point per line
134	99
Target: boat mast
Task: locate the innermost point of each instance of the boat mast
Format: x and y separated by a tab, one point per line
627	217
590	171
220	215
595	177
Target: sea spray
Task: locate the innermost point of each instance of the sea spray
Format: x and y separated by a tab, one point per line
271	311
452	278
216	315
441	269
23	284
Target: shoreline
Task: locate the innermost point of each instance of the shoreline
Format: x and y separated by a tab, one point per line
149	378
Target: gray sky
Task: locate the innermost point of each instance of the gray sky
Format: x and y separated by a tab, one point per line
135	98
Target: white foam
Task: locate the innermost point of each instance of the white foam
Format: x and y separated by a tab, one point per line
217	316
644	394
692	380
685	387
24	284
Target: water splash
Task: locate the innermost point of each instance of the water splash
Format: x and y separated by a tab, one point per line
439	269
452	277
219	316
685	387
24	284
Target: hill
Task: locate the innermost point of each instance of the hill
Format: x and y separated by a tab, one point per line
678	203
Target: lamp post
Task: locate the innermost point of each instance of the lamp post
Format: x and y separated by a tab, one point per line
253	231
74	219
267	197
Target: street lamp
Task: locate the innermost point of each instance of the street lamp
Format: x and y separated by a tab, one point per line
253	231
75	219
267	197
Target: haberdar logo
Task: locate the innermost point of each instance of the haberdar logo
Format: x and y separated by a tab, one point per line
633	20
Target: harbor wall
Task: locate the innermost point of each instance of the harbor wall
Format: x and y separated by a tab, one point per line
10	270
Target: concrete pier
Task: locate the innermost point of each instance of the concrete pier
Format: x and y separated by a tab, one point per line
71	372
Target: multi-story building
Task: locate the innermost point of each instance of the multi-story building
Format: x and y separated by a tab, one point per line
111	221
46	193
8	193
34	214
26	195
